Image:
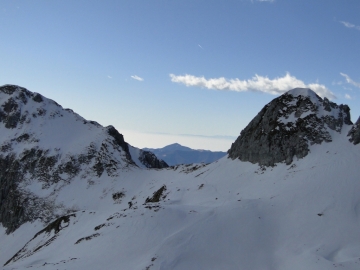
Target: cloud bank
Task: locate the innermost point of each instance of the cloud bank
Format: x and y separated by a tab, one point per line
349	80
257	83
350	25
135	77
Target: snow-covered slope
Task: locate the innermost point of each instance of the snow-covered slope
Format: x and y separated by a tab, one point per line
229	214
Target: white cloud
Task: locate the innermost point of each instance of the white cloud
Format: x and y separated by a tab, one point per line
349	80
109	77
347	96
257	83
337	83
350	25
135	77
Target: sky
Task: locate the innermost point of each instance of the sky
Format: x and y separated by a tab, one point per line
193	72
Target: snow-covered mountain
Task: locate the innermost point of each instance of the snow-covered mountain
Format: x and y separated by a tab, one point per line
287	126
241	212
42	142
175	154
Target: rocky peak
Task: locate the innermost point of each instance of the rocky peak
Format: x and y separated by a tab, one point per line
286	127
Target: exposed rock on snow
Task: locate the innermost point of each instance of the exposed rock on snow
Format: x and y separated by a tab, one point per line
354	133
151	161
146	159
157	195
119	140
42	239
286	126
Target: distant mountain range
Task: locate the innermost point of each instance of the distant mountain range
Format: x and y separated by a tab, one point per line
175	154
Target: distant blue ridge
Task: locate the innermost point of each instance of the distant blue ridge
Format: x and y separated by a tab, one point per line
175	154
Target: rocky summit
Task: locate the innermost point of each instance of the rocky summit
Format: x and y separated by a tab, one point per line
41	141
286	127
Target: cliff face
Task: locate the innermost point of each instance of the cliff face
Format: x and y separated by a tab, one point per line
354	133
286	126
151	161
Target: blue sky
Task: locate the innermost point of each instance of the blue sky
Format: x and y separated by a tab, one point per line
193	72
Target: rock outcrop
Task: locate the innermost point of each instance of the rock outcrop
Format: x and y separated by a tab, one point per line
286	127
354	133
151	161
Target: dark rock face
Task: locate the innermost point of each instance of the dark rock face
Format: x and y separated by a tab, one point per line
286	126
151	161
119	140
354	133
37	98
157	196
